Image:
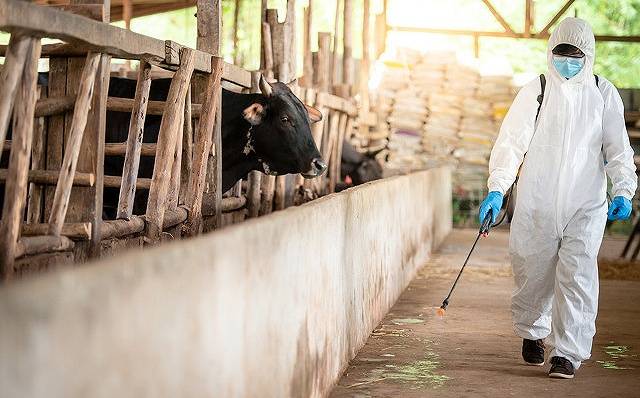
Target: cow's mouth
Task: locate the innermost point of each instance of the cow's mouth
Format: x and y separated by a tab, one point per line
318	168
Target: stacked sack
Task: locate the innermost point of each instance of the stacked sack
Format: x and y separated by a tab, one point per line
437	110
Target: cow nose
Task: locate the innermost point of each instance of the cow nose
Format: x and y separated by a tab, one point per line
318	166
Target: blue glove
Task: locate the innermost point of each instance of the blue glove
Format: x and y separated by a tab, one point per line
620	208
492	202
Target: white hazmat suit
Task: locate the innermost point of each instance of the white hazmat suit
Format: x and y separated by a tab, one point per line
561	206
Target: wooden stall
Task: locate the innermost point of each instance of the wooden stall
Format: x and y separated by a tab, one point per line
52	164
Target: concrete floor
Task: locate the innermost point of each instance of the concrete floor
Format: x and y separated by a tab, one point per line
473	351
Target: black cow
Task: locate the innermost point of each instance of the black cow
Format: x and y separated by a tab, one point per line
269	132
357	168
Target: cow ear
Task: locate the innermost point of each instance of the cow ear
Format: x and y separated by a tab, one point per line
254	113
314	114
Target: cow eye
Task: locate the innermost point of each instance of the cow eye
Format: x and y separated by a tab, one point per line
284	119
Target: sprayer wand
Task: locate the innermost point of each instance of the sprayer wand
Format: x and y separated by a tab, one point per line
484	231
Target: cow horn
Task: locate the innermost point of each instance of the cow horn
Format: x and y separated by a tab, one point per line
293	83
265	86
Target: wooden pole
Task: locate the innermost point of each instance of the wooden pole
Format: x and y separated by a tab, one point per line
307	73
78	124
16	185
334	173
86	203
201	150
237	60
335	62
55	128
134	142
9	77
268	182
363	128
38	155
187	148
347	45
253	186
174	181
170	126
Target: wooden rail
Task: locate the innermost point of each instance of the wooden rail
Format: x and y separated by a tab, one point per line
83	35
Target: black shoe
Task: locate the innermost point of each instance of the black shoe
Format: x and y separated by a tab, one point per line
533	352
561	368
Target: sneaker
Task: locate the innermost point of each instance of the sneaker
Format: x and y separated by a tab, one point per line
561	368
533	352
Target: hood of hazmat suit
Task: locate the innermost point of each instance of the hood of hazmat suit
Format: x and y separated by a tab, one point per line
578	139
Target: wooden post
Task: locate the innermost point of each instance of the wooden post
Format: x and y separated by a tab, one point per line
323	72
253	186
203	137
268	182
134	142
85	203
55	128
174	181
79	122
16	185
307	74
9	78
209	34
187	148
336	77
347	43
169	128
363	128
38	154
381	30
236	18
328	145
334	162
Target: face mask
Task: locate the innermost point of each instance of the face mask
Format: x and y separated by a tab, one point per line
568	67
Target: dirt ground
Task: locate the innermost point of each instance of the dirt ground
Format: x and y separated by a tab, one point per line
473	352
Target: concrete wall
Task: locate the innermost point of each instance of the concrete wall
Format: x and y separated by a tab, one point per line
273	307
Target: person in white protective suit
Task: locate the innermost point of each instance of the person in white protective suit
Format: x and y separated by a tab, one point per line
563	155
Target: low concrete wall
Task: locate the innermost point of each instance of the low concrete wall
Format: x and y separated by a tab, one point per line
273	307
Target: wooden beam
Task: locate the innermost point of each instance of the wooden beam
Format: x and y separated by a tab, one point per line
20	16
120	149
38	157
498	17
15	194
538	36
63	188
134	142
50	177
31	245
169	128
79	231
555	18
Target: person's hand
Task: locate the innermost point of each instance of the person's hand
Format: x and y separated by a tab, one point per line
492	202
620	208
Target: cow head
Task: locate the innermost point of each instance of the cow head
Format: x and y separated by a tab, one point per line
280	132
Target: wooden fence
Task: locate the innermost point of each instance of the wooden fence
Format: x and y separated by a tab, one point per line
54	180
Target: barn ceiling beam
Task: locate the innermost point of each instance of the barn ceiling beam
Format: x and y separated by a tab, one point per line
545	31
462	32
498	17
